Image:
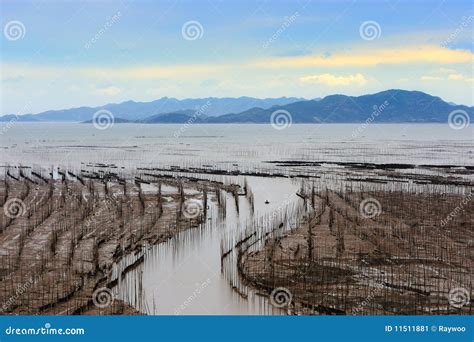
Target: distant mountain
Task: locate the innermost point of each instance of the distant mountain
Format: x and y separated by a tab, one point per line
175	117
116	120
389	106
130	110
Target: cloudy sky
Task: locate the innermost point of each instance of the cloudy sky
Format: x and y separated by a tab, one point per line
62	54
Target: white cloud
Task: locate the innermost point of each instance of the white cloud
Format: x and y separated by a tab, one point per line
109	91
456	77
395	56
333	80
446	70
460	77
431	78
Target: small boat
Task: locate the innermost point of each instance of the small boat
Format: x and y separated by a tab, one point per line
267	201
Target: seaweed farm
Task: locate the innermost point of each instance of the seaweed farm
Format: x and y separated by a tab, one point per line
308	222
369	251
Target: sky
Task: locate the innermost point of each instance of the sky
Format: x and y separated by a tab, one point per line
63	54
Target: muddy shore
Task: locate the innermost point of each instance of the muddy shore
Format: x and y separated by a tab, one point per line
406	254
67	237
62	236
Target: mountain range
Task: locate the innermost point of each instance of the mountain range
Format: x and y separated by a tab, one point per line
390	106
131	110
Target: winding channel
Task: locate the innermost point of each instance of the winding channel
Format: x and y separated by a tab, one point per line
183	276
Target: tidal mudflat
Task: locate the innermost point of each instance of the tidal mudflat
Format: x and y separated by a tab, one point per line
308	222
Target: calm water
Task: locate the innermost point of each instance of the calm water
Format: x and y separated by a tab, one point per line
131	145
183	276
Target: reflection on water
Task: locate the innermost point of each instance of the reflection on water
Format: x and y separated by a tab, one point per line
183	276
131	145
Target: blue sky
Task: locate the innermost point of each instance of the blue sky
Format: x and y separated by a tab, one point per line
75	53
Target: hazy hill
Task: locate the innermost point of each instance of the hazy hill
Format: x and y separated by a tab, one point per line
390	106
131	110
